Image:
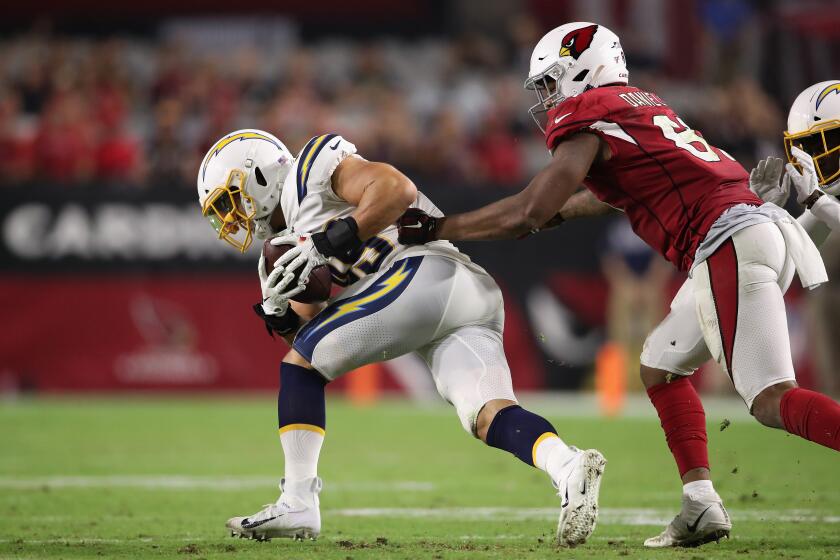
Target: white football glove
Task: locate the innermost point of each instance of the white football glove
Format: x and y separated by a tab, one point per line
764	181
805	182
304	254
275	295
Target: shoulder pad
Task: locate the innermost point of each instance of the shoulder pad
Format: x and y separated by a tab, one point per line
317	161
572	116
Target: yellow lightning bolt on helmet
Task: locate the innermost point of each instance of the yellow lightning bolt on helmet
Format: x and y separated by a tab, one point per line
239	184
814	126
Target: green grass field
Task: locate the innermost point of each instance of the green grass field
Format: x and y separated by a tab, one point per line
157	478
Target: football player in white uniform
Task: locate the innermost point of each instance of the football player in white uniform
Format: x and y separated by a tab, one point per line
676	348
340	209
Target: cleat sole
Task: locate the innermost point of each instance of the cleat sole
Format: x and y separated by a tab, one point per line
707	538
712	536
294	534
577	525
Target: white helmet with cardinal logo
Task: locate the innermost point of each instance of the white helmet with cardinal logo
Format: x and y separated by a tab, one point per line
571	59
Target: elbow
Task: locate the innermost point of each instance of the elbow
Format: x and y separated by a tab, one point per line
522	222
407	192
401	190
532	217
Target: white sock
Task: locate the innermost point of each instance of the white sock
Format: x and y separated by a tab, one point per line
301	448
698	487
551	454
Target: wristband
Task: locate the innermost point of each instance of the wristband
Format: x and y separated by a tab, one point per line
284	324
813	198
341	238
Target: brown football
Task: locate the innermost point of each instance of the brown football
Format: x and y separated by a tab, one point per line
320	281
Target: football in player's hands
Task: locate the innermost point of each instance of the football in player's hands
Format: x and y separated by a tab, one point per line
320	282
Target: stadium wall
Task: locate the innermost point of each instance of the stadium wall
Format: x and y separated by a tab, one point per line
129	290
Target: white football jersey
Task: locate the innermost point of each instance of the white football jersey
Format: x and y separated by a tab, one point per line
309	204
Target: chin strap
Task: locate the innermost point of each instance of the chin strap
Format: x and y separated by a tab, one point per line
262	229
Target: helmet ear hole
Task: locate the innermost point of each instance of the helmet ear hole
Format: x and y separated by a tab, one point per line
260	177
581	75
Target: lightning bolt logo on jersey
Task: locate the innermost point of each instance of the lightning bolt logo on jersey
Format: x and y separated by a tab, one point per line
309	205
385	290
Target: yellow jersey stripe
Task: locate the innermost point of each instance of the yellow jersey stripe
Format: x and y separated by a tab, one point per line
306	160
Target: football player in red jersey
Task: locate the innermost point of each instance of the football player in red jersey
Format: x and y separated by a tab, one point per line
691	202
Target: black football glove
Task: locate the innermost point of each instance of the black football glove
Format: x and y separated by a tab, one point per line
416	227
284	324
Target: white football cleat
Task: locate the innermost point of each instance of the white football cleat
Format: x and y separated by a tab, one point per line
295	515
578	487
703	519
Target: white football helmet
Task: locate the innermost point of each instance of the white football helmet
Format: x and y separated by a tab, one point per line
239	184
571	59
814	126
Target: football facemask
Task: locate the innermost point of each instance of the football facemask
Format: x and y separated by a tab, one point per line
223	209
822	143
546	87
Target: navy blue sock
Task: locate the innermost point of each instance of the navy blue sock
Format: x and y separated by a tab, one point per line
301	397
516	430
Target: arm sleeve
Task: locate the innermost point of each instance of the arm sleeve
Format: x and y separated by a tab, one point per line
816	229
827	210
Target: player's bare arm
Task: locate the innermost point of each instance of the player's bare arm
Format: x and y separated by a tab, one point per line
584	204
379	191
539	202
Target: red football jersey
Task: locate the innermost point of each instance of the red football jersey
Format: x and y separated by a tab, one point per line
668	180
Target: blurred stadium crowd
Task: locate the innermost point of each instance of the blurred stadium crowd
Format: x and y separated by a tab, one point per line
130	111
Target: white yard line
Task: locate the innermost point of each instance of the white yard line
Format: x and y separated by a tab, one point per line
186	482
608	516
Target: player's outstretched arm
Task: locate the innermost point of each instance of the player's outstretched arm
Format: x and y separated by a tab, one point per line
584	204
532	208
380	193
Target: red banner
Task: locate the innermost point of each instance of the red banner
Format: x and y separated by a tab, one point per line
139	332
169	332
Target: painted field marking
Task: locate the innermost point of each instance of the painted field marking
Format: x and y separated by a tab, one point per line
187	482
609	516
